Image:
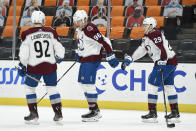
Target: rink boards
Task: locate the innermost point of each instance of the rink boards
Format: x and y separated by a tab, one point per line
117	89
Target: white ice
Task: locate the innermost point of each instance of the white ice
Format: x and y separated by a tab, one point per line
11	119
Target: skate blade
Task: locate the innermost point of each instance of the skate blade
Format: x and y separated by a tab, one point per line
59	123
59	119
174	120
99	116
92	119
32	122
150	120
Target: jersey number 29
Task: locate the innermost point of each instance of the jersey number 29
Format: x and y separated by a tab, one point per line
38	48
157	40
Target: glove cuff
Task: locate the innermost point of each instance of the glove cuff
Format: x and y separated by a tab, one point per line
110	57
20	64
129	57
162	62
58	57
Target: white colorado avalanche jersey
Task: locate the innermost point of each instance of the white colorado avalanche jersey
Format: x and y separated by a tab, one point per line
157	48
91	43
38	48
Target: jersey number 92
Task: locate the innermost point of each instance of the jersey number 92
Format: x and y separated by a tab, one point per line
38	46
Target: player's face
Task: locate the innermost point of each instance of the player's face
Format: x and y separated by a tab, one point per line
79	24
146	28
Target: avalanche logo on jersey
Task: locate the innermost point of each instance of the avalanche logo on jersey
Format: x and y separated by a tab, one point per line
101	80
89	28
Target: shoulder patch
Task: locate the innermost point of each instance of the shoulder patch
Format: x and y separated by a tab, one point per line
89	28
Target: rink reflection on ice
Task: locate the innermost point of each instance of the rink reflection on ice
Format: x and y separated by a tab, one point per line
112	120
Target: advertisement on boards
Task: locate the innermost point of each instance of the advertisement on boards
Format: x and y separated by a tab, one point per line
112	84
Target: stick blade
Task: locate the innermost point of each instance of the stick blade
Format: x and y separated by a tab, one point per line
172	125
123	66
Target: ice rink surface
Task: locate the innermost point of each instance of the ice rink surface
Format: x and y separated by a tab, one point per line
11	119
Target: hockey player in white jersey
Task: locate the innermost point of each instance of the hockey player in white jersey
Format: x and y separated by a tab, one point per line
39	52
157	47
89	53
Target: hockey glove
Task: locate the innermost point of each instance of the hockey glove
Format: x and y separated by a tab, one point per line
126	62
161	62
58	59
22	70
112	60
77	57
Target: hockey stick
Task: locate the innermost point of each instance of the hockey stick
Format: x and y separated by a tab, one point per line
33	78
30	76
57	82
162	79
42	98
124	65
66	71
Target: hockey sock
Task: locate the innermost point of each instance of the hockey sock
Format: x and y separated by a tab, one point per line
173	99
152	100
32	102
174	106
152	106
32	107
93	105
55	101
55	98
57	107
92	101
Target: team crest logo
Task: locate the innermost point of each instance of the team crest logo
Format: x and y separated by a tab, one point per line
89	28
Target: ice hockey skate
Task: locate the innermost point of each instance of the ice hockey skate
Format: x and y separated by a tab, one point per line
151	117
91	116
32	118
58	117
173	117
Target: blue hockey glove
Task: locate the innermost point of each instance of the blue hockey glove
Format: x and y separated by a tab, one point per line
77	57
112	60
22	70
126	62
58	59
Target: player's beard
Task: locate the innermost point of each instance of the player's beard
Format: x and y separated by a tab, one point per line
83	25
147	29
